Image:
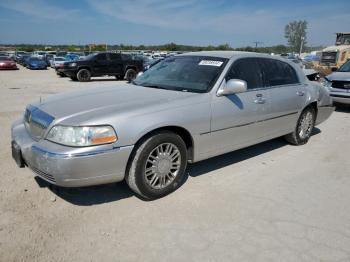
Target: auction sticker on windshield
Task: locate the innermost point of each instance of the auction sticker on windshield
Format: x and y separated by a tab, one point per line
211	63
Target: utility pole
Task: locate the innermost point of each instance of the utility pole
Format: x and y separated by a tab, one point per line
257	43
301	44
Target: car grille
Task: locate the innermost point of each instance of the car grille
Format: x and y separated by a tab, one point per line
43	175
329	57
36	121
341	84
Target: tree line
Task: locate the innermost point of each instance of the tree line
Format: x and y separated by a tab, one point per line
295	33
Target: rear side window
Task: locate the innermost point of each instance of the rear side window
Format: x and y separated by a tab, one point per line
101	57
276	73
246	69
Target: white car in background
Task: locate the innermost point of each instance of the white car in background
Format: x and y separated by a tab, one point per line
57	61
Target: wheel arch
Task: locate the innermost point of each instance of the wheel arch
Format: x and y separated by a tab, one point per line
127	67
312	104
84	67
182	132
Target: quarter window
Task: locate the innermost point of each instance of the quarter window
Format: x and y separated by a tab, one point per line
277	73
246	69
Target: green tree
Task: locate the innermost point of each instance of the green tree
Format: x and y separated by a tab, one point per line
295	32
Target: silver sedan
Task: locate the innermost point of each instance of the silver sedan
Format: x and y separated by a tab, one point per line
182	110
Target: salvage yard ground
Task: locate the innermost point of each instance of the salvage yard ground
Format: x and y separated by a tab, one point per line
269	202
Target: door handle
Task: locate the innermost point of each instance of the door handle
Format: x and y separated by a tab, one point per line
300	93
260	100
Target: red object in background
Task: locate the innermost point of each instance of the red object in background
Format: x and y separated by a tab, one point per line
8	64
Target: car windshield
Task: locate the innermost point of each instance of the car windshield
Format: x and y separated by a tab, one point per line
345	67
183	73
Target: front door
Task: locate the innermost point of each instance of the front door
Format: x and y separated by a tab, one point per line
238	120
101	64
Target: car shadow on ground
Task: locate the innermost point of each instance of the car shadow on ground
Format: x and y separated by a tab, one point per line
101	80
218	162
87	196
95	195
342	108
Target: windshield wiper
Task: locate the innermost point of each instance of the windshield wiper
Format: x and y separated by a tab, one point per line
155	86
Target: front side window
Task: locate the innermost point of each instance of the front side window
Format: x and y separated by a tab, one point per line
185	73
114	57
277	73
246	69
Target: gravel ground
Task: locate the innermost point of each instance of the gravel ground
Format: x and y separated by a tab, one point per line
269	202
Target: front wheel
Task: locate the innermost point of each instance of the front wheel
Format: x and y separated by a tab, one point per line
304	127
84	75
158	166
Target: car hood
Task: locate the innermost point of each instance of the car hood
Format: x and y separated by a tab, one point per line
7	62
80	106
339	76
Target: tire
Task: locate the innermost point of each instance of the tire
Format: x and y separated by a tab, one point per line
84	75
74	78
152	177
304	127
130	75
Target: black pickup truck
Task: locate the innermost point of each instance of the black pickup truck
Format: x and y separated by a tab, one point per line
122	66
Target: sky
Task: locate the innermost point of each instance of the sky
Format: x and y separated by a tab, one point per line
193	22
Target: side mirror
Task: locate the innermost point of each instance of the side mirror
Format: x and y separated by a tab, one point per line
232	86
139	74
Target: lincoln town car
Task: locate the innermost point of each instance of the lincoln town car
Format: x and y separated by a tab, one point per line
184	109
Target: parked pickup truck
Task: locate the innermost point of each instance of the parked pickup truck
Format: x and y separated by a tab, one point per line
101	64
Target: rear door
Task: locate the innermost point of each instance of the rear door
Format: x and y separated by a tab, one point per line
287	94
116	64
237	120
101	64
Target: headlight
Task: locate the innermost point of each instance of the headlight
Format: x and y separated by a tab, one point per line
73	64
326	83
82	135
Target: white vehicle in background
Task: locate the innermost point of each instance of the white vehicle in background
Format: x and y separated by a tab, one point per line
57	61
39	54
157	56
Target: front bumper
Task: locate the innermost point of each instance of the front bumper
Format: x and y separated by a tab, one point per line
341	97
8	67
39	67
71	167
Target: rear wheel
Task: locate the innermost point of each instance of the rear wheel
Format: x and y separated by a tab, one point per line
304	127
158	166
84	75
130	75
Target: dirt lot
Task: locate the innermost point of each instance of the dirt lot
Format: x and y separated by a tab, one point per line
269	202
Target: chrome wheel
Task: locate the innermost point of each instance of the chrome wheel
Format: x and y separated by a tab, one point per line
306	125
162	165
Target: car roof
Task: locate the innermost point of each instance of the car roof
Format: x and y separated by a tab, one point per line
228	54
